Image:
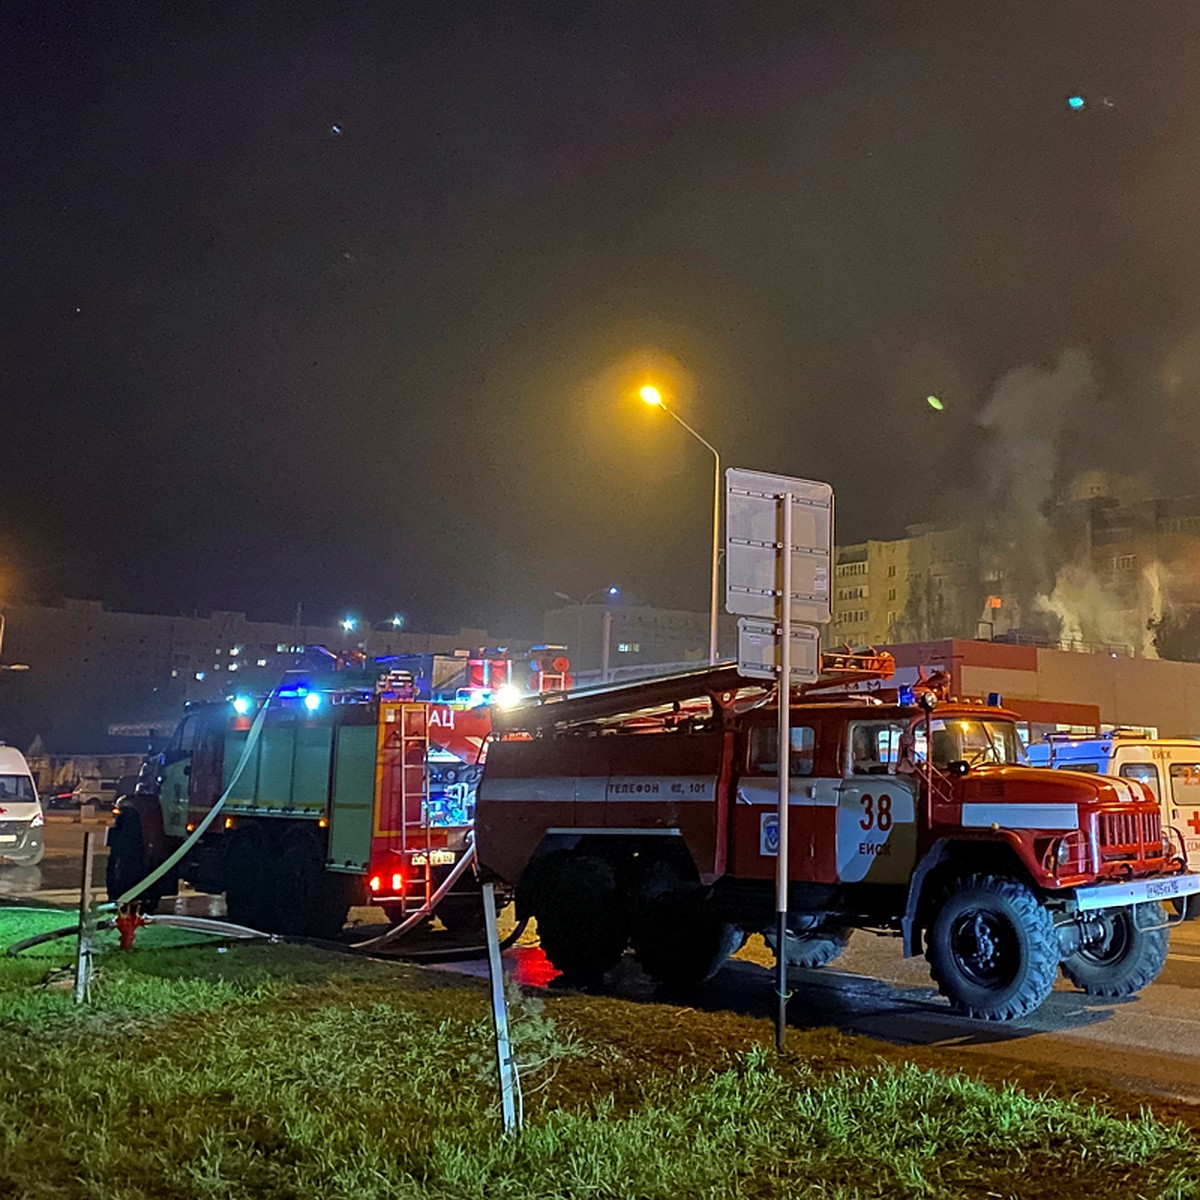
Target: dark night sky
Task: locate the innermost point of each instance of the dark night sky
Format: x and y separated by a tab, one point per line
248	361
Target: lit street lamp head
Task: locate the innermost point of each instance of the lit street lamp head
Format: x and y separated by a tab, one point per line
651	395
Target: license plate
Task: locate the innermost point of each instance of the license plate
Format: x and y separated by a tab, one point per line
437	858
8	839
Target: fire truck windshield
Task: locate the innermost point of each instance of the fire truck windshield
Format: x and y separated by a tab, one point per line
971	740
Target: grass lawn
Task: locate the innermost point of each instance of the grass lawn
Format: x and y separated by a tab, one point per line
252	1070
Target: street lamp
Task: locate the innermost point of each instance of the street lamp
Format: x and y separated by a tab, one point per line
606	638
652	396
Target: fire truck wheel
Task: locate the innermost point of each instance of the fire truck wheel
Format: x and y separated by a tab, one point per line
1123	959
808	951
249	900
581	925
680	943
127	861
312	902
992	949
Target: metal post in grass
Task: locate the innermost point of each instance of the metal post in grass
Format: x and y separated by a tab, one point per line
83	953
504	1056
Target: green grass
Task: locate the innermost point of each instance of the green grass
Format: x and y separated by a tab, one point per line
282	1072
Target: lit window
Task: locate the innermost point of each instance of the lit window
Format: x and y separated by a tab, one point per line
235	651
199	674
233	666
629	647
280	648
262	662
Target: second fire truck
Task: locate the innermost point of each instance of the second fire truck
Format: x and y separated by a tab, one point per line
645	814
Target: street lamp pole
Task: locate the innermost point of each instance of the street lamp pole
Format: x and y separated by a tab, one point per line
651	395
606	627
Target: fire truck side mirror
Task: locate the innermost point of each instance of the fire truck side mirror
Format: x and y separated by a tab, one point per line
927	701
959	766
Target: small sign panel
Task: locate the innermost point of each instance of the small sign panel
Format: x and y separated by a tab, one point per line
758	651
752	546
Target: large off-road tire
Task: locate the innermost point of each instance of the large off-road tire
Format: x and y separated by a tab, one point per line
127	864
807	951
991	947
581	921
1125	959
680	942
311	901
249	898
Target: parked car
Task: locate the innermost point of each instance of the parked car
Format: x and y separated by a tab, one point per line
60	797
21	817
101	793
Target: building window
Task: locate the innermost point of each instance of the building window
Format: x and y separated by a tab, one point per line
891	593
892	571
1124	562
629	647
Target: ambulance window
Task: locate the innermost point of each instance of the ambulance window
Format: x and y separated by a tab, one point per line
1185	783
1087	767
1146	773
764	744
875	747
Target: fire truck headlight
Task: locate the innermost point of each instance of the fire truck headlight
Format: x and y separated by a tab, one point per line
312	701
241	705
507	696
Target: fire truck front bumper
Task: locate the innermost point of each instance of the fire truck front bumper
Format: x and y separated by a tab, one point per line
1135	891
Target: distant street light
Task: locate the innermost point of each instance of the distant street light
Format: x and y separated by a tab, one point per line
652	396
606	638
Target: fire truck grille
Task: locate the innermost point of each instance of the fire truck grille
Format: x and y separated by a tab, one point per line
1130	836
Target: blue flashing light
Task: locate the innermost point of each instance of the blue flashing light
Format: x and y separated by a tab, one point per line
241	705
907	696
995	700
1076	103
312	701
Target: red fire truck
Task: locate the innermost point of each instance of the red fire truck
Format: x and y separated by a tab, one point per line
358	785
646	814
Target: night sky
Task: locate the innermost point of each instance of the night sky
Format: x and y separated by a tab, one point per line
348	304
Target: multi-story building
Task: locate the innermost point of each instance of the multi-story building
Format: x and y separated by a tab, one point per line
1093	570
636	636
96	677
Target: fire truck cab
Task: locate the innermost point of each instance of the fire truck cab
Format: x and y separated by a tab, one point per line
1168	767
646	814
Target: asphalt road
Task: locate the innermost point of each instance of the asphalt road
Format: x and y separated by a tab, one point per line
1149	1043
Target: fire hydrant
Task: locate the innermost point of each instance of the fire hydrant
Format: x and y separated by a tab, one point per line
128	921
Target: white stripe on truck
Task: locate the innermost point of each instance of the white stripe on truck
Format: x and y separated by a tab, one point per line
621	789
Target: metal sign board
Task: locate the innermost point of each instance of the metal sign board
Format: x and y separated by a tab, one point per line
758	651
752	544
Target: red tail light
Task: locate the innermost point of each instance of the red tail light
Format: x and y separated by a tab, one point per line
397	883
376	883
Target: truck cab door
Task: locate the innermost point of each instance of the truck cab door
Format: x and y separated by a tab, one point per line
876	836
174	777
812	806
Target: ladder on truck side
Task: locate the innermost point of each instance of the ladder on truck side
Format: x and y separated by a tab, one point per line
721	685
402	795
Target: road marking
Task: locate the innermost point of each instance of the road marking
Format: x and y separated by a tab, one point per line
1186	957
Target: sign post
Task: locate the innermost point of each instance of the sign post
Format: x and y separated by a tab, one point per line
784	761
778	567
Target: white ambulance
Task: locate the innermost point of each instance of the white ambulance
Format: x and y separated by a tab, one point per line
21	818
1169	767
